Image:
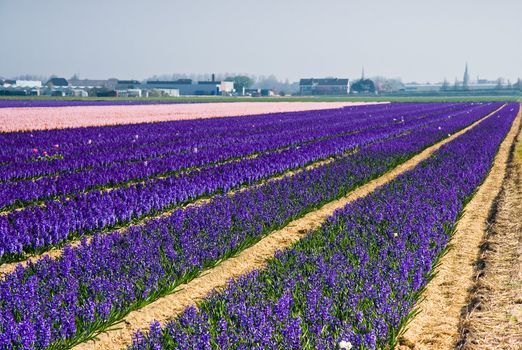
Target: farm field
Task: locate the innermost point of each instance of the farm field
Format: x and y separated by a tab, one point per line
312	225
50	114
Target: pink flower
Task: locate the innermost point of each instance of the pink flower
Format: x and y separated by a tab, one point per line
35	150
34	118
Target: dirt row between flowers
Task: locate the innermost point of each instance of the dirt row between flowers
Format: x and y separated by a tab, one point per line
447	295
493	317
254	257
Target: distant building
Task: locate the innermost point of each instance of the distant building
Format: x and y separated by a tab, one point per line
267	92
427	87
127	84
326	86
57	82
20	87
226	87
259	92
78	92
176	87
161	92
129	93
93	83
106	93
465	80
188	87
252	92
28	84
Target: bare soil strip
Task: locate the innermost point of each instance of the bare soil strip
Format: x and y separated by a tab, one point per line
493	317
252	258
437	324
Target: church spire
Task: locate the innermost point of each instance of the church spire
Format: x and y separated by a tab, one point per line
465	80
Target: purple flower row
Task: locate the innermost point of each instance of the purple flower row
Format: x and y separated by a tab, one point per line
59	302
356	279
37	227
106	140
124	145
21	193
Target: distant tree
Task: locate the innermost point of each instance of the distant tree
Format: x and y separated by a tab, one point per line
456	85
363	86
445	85
270	82
500	84
518	84
240	82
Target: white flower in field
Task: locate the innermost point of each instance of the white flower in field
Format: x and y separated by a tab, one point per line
195	150
440	128
145	163
395	234
89	142
136	136
346	345
449	135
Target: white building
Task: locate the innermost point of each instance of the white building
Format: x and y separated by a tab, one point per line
28	83
226	87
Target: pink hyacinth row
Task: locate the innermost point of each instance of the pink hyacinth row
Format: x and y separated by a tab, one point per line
38	118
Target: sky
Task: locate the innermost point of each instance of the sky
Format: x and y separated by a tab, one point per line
412	39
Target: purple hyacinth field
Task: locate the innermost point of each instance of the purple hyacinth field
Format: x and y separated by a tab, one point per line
103	227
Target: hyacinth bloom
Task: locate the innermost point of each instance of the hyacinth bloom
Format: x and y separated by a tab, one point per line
91	285
353	282
35	227
35	115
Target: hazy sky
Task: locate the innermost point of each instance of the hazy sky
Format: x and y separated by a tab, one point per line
413	39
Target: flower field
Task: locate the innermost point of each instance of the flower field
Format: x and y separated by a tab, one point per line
136	210
354	280
48	114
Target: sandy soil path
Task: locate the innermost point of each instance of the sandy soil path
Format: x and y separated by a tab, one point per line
40	118
249	259
437	324
494	315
